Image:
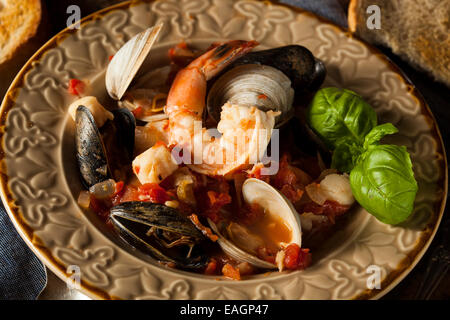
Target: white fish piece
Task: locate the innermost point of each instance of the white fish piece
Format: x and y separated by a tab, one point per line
100	114
154	165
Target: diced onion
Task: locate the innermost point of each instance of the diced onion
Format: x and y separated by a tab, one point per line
172	203
279	259
84	199
104	189
315	193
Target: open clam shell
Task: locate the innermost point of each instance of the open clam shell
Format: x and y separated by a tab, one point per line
253	85
275	204
126	62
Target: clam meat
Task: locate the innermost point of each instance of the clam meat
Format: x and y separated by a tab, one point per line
253	85
241	244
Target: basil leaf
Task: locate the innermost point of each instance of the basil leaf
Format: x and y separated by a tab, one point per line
345	156
339	114
383	183
377	133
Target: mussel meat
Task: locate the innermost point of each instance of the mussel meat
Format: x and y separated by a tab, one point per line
160	231
104	153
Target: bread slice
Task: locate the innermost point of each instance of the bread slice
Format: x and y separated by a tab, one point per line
417	30
19	22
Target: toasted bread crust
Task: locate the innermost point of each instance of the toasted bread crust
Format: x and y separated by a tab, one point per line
415	30
19	21
353	15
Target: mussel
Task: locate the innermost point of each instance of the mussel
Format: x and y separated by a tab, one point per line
306	72
104	153
253	85
239	245
161	232
274	79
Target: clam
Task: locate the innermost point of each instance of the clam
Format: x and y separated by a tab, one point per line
253	85
100	151
306	72
279	208
161	232
127	61
272	79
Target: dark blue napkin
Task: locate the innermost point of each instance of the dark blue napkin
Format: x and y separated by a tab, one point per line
333	10
22	274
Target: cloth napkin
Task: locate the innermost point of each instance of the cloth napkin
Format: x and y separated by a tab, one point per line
22	274
333	10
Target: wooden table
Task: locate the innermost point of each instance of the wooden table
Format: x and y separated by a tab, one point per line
436	94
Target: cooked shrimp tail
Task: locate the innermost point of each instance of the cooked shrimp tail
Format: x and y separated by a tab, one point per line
215	60
239	126
189	86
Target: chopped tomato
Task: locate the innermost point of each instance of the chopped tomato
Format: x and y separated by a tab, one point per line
159	143
290	180
99	207
154	193
231	272
137	112
256	173
181	55
110	57
76	87
128	193
296	258
119	188
211	268
214	203
218	199
262	96
284	175
291	193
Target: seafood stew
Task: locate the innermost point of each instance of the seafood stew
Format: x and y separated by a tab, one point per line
217	164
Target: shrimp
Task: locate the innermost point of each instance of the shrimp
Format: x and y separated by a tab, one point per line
239	128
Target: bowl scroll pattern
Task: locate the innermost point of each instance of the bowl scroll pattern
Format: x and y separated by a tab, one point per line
59	232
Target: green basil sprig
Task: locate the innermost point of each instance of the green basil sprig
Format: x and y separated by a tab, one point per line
339	114
381	176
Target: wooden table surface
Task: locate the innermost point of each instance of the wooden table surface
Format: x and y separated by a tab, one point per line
436	94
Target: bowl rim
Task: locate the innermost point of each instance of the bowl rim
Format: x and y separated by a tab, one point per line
394	277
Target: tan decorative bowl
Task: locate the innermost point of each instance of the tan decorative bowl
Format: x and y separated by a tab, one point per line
40	181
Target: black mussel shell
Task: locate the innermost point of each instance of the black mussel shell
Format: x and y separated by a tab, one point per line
107	152
132	221
306	72
90	150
